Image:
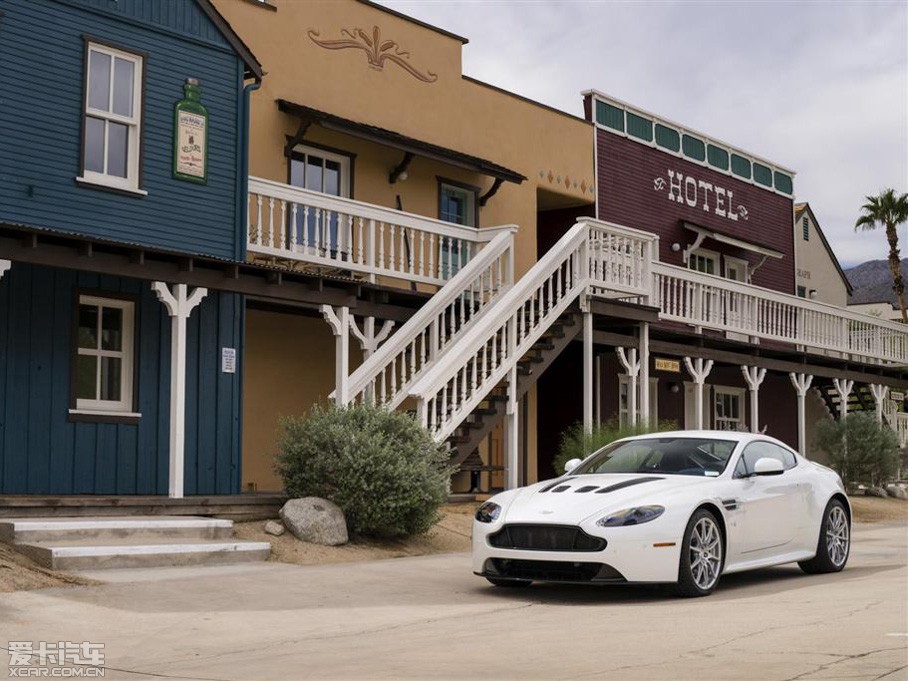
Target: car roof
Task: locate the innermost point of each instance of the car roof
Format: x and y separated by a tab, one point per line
734	436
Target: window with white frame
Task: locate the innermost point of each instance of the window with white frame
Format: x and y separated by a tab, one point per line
623	395
457	204
704	261
103	376
113	117
728	408
326	172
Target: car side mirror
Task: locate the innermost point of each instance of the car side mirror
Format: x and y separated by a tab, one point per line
572	464
768	466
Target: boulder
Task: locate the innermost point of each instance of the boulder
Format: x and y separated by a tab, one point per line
274	527
875	492
896	491
315	520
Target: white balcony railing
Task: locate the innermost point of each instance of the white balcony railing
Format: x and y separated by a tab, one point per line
288	225
701	300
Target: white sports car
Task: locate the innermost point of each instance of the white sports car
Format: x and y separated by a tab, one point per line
678	508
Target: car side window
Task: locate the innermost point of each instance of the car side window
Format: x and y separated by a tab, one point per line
760	449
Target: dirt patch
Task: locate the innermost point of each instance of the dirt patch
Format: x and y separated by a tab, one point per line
18	573
878	510
450	535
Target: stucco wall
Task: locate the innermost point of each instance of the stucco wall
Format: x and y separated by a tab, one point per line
815	269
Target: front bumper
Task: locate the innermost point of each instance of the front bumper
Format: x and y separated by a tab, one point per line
646	553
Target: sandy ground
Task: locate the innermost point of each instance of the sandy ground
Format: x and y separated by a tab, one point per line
18	573
450	535
878	510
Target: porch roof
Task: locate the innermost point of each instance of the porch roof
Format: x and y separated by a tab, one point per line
396	140
737	242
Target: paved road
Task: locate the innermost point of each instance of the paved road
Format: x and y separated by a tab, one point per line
430	618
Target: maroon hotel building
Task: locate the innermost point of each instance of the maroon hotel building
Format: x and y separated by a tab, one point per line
717	211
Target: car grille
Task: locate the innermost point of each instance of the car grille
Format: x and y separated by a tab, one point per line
552	571
545	538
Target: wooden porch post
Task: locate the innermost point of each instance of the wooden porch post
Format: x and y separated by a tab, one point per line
880	393
698	370
754	377
368	339
631	364
644	373
588	371
843	387
180	304
340	325
801	383
512	414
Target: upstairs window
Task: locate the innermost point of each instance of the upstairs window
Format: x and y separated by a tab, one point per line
111	135
457	204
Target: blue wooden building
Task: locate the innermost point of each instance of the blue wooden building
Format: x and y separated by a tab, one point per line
123	128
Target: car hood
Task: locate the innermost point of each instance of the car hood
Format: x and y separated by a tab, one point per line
572	499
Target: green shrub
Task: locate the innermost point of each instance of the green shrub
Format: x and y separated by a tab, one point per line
578	444
382	468
860	449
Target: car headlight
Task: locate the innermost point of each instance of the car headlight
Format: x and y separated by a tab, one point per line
488	512
631	516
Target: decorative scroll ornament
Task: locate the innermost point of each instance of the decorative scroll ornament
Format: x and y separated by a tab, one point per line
377	51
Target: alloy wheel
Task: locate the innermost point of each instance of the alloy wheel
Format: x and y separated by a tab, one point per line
705	553
837	535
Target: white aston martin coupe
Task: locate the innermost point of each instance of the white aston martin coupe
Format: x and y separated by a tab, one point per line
679	508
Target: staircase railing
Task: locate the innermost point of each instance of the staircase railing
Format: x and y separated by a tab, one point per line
591	254
292	224
712	302
385	378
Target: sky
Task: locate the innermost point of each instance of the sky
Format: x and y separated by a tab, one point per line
818	87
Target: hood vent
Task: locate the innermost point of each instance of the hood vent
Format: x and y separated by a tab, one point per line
560	488
554	484
587	488
626	483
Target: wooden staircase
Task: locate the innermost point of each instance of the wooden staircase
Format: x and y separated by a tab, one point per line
860	399
482	420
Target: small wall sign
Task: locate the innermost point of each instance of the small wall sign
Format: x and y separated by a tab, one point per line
897	395
228	360
190	135
671	365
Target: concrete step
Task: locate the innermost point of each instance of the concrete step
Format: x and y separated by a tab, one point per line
85	554
29	530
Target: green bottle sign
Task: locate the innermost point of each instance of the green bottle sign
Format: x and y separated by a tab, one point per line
190	135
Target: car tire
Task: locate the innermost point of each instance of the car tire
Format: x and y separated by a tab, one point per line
509	583
834	542
702	556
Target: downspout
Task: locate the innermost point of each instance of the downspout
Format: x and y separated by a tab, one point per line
240	253
243	174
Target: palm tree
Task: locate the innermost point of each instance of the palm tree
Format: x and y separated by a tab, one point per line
890	211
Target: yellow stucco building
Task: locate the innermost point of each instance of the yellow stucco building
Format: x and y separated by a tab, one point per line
360	102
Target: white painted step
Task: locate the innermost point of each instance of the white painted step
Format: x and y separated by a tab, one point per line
22	530
87	554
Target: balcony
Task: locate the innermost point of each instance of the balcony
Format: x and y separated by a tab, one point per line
300	229
297	228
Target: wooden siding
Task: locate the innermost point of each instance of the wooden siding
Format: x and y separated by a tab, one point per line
41	96
627	195
43	452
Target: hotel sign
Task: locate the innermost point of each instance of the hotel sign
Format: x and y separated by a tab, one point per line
711	197
671	365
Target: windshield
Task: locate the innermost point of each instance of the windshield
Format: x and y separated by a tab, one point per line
664	455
